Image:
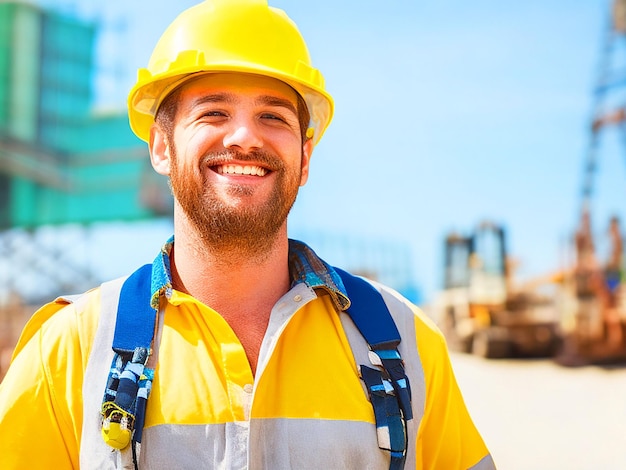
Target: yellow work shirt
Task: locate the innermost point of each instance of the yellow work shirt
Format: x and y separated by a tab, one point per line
306	407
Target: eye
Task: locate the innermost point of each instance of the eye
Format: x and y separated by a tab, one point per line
212	113
273	117
279	118
210	116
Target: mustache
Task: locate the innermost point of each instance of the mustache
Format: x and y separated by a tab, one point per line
261	157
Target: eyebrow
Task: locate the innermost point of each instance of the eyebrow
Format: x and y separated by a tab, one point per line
230	98
275	101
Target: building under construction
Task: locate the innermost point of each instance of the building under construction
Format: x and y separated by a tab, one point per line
61	162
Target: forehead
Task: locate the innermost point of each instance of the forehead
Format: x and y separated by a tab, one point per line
235	84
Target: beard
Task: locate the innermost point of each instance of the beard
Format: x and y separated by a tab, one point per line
247	229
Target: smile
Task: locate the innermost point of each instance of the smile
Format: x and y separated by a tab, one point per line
252	170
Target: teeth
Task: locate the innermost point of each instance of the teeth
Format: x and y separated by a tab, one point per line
241	170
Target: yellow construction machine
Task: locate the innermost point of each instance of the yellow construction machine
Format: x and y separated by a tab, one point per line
480	310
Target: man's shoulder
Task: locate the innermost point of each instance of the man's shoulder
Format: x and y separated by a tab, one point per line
67	315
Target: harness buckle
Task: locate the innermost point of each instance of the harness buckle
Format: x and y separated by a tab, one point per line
117	425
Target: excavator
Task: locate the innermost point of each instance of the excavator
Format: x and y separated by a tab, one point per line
481	311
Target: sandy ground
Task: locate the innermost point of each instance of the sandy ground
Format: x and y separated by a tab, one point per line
536	415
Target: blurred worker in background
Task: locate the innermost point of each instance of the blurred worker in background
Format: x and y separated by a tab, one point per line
612	275
586	264
250	360
615	259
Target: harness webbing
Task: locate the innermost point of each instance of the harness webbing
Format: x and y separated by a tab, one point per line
387	385
130	381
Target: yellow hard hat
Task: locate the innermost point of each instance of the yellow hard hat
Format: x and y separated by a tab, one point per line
245	36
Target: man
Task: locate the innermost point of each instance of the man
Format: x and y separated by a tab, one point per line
254	363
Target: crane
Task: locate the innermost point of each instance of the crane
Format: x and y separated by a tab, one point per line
594	301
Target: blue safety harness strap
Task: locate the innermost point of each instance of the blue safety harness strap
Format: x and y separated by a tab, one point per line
388	386
134	326
130	381
369	312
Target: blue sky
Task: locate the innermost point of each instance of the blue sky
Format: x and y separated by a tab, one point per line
447	113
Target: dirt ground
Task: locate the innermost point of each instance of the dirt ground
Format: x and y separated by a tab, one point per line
536	415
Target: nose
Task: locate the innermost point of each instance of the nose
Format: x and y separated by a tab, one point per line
243	136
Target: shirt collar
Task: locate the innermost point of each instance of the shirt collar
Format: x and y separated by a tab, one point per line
304	266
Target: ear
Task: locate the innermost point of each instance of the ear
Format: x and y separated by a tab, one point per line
307	151
160	154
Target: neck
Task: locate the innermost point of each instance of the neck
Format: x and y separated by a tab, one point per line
242	287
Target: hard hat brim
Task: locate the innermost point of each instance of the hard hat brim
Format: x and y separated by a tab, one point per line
145	98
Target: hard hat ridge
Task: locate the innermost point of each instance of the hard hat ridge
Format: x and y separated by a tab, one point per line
244	36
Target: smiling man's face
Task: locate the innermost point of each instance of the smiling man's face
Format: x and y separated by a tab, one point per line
235	157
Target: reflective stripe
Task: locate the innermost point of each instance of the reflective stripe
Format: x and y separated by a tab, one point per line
173	446
315	444
94	453
274	444
486	463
